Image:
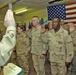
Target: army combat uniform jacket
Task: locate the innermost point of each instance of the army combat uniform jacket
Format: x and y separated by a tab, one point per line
62	47
37	45
22	44
7	43
73	35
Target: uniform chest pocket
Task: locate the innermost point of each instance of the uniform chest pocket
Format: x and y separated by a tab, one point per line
49	38
73	36
59	47
59	39
60	42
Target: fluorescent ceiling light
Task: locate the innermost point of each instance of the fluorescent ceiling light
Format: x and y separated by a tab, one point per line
20	10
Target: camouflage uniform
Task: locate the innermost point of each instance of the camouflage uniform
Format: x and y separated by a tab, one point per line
65	27
6	44
22	49
61	51
72	69
37	48
13	57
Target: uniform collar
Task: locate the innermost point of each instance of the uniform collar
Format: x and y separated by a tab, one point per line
38	27
60	30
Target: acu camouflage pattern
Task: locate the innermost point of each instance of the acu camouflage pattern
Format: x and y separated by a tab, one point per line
62	51
37	48
22	49
72	69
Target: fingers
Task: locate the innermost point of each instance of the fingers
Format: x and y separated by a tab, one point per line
9	15
43	26
9	18
27	28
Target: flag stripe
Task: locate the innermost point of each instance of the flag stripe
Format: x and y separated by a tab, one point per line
72	17
73	20
70	3
71	8
70	13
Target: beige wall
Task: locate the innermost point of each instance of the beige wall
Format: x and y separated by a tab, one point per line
39	13
22	18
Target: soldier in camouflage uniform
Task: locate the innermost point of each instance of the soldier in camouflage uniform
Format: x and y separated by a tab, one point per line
22	49
63	24
8	41
72	30
37	47
61	48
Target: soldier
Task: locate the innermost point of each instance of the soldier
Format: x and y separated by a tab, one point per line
8	41
37	47
22	49
61	48
64	25
46	38
72	30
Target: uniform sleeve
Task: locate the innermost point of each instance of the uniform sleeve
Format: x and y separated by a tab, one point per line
44	40
7	44
44	37
74	38
69	48
29	34
27	44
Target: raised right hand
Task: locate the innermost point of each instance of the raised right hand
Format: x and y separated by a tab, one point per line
9	19
43	29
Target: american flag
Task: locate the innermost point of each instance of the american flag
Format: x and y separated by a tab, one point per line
64	11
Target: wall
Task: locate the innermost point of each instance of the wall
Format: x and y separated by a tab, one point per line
40	13
20	19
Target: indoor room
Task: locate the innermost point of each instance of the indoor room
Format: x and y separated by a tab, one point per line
37	37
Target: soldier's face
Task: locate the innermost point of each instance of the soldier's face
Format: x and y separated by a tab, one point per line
35	21
56	23
19	30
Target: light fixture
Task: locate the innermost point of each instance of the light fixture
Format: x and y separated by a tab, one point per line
20	10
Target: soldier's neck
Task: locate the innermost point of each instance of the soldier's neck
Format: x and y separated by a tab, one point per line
36	25
56	30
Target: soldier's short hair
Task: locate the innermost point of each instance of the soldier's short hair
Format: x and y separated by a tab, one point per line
57	18
35	17
21	27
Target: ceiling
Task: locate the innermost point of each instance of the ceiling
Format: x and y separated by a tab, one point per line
31	5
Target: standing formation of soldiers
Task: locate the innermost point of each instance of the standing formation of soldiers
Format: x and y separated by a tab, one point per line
38	40
60	44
